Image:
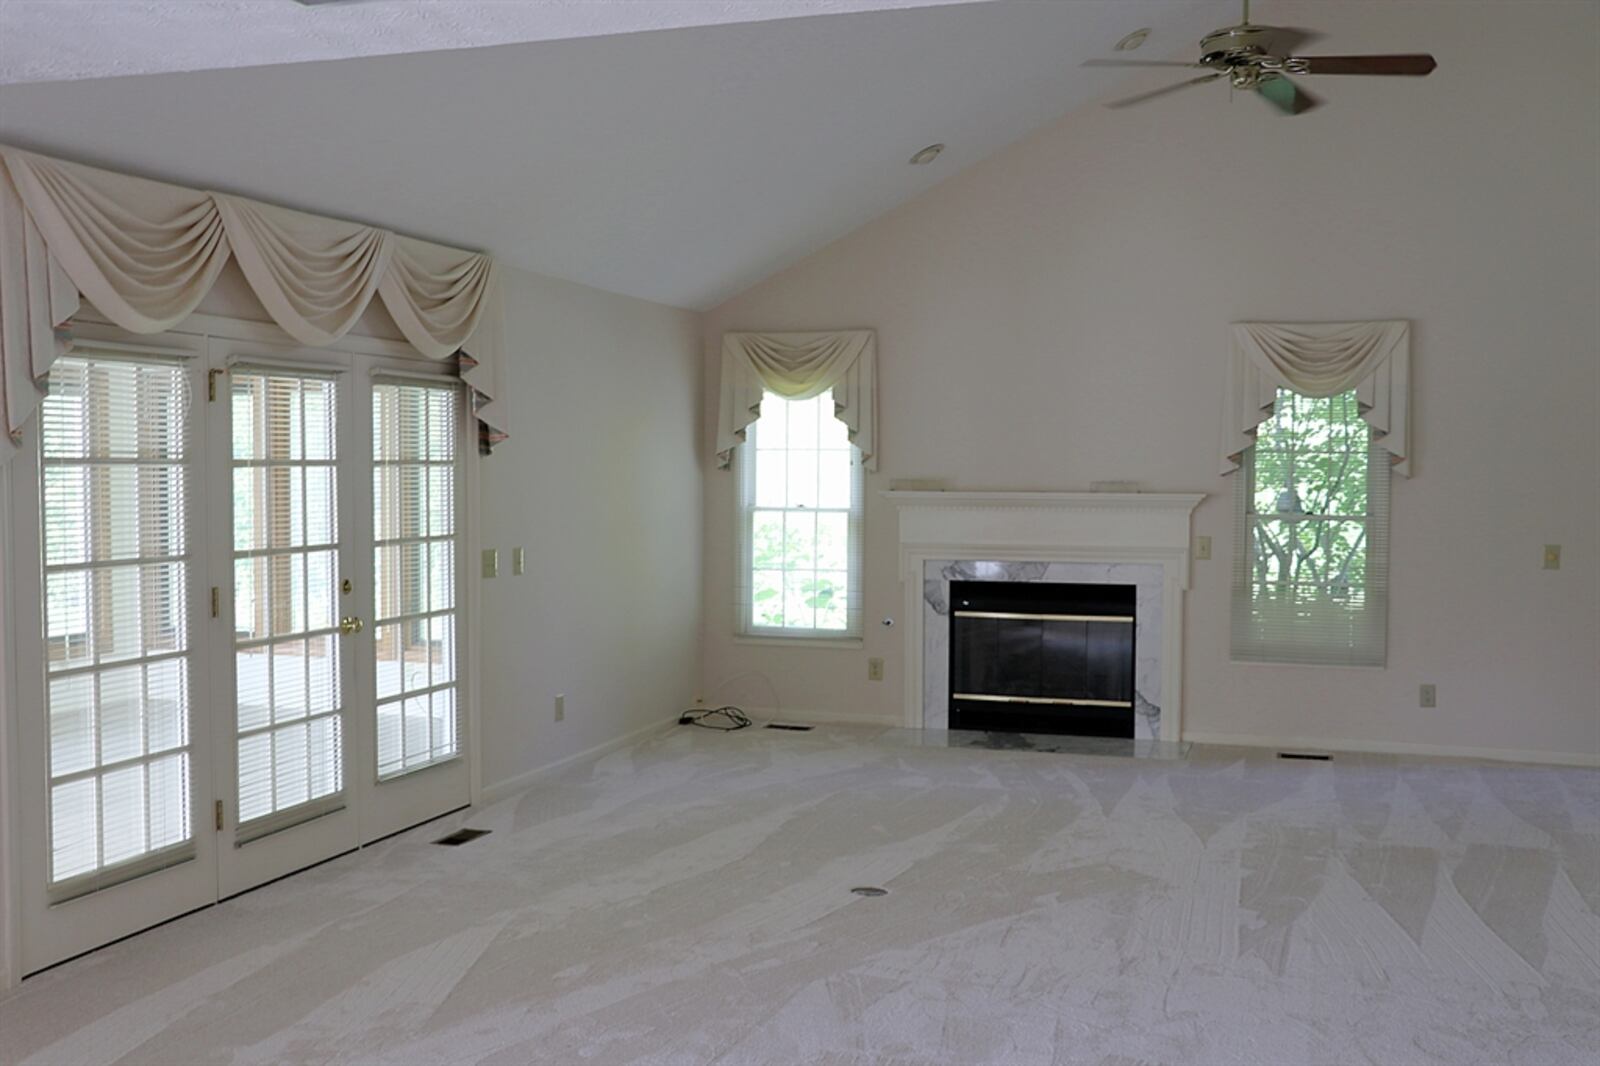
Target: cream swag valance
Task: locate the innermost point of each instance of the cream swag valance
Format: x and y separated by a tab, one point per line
798	366
145	253
1319	359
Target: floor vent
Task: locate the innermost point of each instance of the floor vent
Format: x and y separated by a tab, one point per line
1314	756
870	890
461	836
791	727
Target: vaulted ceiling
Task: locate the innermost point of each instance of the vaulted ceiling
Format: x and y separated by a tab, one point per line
679	165
63	40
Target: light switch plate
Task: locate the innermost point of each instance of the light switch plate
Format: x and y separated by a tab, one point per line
1202	547
561	706
1552	557
517	561
491	562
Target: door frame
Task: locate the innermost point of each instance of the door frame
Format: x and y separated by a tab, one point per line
19	509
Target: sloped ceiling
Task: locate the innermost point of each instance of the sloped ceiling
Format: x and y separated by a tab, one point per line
63	40
678	165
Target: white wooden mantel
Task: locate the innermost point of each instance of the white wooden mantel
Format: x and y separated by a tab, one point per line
1152	528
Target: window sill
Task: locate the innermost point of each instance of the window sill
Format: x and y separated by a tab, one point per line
838	643
1318	666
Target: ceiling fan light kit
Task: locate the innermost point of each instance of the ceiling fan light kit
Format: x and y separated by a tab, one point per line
1259	59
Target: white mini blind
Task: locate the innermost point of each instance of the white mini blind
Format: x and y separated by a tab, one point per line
800	506
289	723
1311	550
114	483
414	497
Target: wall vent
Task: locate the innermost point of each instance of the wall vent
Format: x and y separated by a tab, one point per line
790	726
1314	756
461	836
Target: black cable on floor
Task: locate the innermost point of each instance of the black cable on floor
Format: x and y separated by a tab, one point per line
722	719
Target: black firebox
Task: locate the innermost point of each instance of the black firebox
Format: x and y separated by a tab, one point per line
1036	657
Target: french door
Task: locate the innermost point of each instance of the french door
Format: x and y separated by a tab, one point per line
248	633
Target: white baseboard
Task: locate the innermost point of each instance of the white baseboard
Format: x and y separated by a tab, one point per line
813	717
501	789
1549	758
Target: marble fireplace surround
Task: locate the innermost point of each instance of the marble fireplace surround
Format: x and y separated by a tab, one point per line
1139	539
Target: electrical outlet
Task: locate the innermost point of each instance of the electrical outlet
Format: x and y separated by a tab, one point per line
1552	557
491	562
518	561
874	669
1428	696
561	707
1202	547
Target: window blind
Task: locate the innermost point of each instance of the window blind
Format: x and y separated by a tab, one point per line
285	587
1311	546
414	498
800	506
114	483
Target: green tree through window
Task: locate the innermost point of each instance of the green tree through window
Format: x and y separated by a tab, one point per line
800	506
1310	582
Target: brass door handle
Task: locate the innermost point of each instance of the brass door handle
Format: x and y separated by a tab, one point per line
350	624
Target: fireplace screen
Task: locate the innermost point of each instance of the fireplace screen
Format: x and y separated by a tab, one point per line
1031	657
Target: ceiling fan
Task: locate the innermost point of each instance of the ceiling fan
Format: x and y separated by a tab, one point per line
1260	59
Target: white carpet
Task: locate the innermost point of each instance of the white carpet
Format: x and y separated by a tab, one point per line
687	901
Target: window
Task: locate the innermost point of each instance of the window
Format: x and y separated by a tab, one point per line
114	475
414	526
800	523
285	577
1311	554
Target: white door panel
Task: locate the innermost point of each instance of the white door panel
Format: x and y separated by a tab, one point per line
416	429
291	474
115	773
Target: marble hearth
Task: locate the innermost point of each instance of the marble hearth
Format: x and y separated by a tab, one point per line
1146	579
1138	539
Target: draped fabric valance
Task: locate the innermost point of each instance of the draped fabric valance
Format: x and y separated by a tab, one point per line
1319	359
798	366
145	253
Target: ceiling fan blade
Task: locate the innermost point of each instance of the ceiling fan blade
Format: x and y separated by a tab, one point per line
1141	63
1128	101
1411	66
1287	40
1285	95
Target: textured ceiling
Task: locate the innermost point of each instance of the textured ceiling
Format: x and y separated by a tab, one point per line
680	166
62	40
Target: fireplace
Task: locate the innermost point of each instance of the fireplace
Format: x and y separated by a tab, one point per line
1043	657
1087	538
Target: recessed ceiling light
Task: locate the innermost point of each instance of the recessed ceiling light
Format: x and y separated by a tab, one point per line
927	155
1132	40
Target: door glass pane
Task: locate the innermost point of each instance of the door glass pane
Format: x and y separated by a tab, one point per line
114	483
286	573
414	502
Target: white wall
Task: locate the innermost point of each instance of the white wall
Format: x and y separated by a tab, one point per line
1056	315
10	886
601	483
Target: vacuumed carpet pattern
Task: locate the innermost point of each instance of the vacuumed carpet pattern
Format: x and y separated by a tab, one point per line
688	900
